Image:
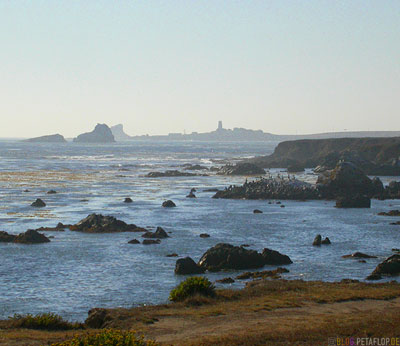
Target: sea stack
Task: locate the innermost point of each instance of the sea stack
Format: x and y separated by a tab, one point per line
57	138
101	134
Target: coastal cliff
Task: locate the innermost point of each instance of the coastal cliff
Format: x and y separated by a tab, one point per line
101	134
376	156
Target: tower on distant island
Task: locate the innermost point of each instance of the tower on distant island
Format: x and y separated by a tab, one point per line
220	126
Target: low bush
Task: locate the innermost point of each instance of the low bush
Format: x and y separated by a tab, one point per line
47	321
195	285
108	337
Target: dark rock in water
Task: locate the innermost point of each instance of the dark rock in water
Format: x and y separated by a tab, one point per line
190	167
26	190
6	238
134	241
204	235
278	202
295	168
151	241
97	318
38	203
362	261
346	180
97	223
326	241
282	206
191	195
128	200
101	134
158	234
317	240
272	257
395	250
349	281
59	228
395	223
390	213
31	237
354	201
226	281
186	266
390	267
225	256
48	139
168	204
393	190
172	255
241	169
245	245
378	187
51	192
170	173
264	274
358	255
257	211
211	190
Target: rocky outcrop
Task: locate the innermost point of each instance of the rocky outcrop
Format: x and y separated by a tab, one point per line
375	156
191	195
134	241
158	234
356	201
345	180
204	235
190	167
31	237
60	227
151	241
389	267
272	188
186	266
97	318
6	238
119	134
170	173
225	281
318	241
272	257
97	223
257	211
128	200
393	190
100	134
168	204
275	274
48	139
241	169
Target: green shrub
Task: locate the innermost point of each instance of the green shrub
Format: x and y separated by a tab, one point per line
108	337
195	285
47	321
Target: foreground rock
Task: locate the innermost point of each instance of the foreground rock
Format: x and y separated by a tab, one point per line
225	256
168	204
275	274
38	203
241	169
355	201
6	238
389	267
97	223
158	234
186	266
31	237
318	240
57	138
272	257
101	134
390	213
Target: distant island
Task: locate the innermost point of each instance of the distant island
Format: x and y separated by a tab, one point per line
48	139
101	134
240	134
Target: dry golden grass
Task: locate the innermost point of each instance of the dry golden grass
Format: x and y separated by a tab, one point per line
266	312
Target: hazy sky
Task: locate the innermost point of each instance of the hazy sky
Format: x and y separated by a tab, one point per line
164	66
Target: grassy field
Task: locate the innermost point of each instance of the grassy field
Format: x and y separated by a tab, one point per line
266	312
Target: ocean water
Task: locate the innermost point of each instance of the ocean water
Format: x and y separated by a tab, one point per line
76	272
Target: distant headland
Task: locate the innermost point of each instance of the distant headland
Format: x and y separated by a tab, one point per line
240	134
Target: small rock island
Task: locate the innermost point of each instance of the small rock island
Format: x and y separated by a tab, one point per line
101	134
57	138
